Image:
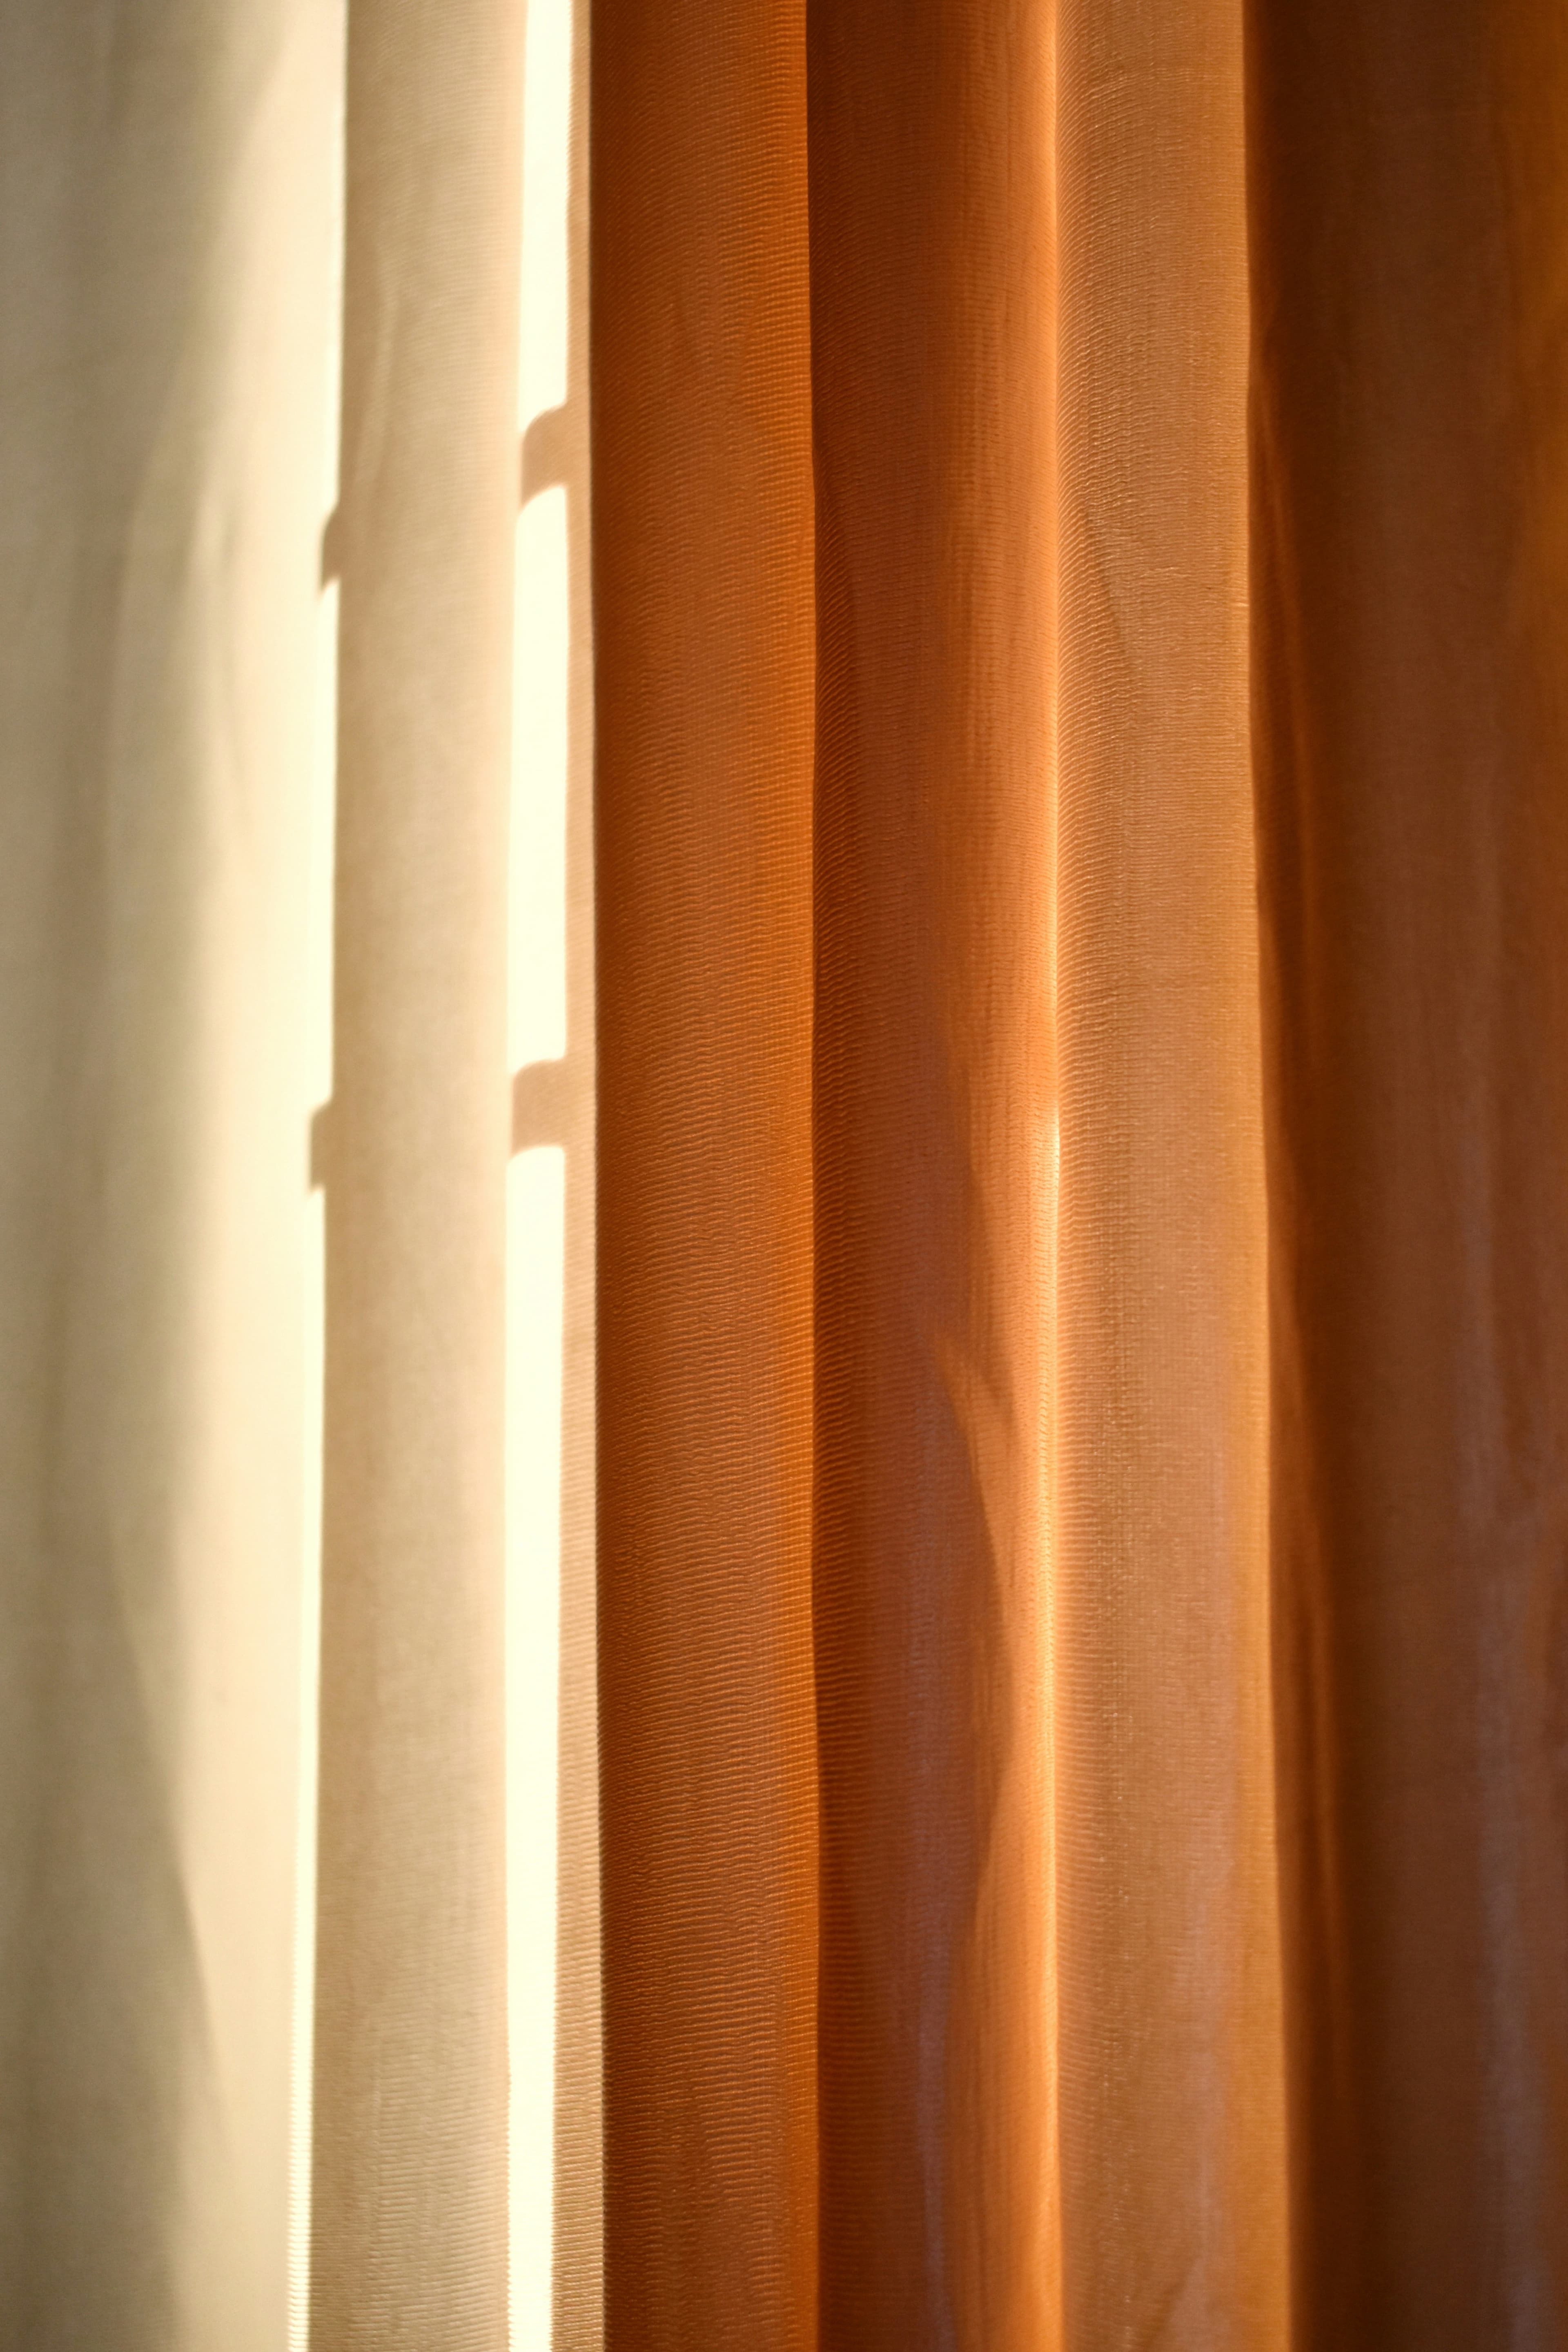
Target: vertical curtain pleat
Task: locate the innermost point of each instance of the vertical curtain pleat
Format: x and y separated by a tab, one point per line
578	2185
1410	568
702	550
165	294
988	1602
409	2223
1171	2130
931	293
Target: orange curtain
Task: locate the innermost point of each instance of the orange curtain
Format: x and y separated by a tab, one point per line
1081	813
1409	220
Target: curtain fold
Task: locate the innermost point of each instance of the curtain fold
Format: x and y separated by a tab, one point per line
1409	250
1170	2123
409	2125
989	1603
930	162
165	294
702	615
1064	1548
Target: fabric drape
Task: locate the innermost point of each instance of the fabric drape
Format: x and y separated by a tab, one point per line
1060	244
1035	1112
702	607
1171	2111
409	2183
1409	243
1041	1823
166	299
929	317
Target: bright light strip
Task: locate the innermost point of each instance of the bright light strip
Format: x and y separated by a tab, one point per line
536	986
536	1199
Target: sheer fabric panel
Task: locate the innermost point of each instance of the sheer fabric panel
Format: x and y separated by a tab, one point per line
166	208
409	2188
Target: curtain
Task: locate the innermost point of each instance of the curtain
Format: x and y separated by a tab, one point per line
784	1201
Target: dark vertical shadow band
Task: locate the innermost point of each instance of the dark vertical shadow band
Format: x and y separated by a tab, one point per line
930	295
1410	614
409	2241
703	614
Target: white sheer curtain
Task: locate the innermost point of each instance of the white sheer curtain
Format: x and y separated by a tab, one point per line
172	295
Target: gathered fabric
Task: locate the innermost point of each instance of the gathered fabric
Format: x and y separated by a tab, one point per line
784	1176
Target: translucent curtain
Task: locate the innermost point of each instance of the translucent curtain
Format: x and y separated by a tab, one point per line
1042	1975
224	2121
409	2128
166	289
784	1307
